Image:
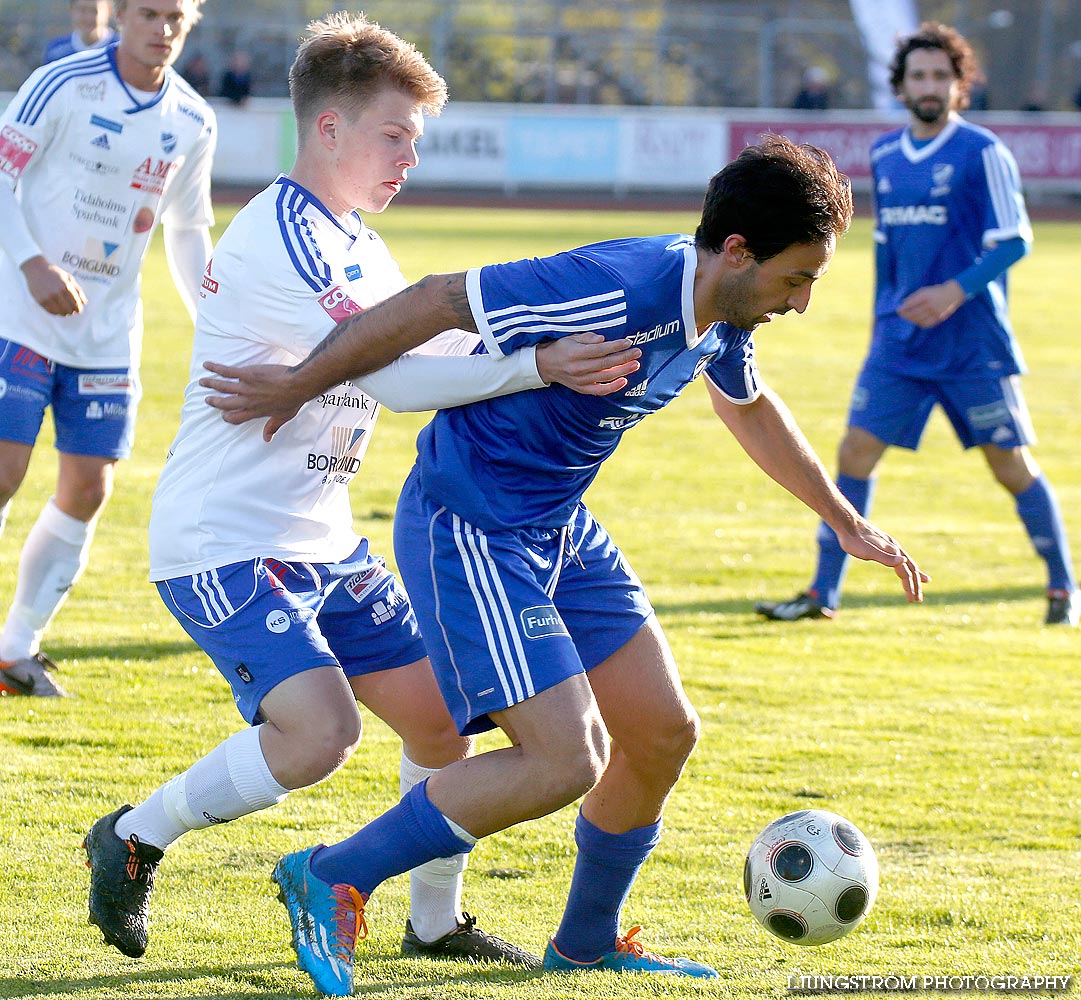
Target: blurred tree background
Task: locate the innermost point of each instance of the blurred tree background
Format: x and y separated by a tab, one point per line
724	53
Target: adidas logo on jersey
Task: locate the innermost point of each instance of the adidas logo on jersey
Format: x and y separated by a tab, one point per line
102	142
638	390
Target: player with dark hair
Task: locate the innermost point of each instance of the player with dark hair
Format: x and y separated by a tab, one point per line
95	150
252	547
533	619
950	220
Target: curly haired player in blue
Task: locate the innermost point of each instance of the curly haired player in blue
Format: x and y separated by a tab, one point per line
533	619
950	220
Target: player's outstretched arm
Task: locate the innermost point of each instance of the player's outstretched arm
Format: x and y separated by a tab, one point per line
768	433
587	363
356	346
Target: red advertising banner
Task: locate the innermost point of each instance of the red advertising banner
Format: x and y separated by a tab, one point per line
1046	151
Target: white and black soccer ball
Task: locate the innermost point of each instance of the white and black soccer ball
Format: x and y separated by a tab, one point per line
810	877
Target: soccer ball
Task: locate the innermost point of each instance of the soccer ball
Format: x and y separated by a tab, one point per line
810	877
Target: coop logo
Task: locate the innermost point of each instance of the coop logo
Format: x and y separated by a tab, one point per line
104	384
94	260
913	215
337	305
151	175
346	443
209	284
541	621
92	91
15	151
168	142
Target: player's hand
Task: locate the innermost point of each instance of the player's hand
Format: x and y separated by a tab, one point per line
867	542
251	391
587	363
930	305
56	291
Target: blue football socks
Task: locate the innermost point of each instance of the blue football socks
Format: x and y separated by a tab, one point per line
407	835
604	872
1039	512
832	559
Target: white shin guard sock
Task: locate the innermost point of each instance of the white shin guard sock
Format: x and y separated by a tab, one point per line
435	888
231	781
53	558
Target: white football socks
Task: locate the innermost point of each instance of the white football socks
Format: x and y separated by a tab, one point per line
435	888
231	781
53	558
4	511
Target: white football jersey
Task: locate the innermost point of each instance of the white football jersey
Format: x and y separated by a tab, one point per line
282	275
95	166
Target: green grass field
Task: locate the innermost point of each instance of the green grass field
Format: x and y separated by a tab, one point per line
948	732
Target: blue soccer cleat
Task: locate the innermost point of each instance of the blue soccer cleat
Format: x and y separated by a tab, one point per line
327	922
629	956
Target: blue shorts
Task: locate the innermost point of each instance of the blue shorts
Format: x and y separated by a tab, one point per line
507	614
895	409
263	620
93	408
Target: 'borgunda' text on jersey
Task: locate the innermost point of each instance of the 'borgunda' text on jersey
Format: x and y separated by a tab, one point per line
938	208
526	459
283	274
95	165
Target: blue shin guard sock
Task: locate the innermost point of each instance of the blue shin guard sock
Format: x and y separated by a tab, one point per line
407	835
603	875
832	559
1039	512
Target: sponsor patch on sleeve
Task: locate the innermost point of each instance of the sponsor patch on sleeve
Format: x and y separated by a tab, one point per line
16	151
337	305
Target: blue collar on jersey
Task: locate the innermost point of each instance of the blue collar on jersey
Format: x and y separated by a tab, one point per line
137	105
286	181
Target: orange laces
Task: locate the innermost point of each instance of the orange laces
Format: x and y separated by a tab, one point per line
350	925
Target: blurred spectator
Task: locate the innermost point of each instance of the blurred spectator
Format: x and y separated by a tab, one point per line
814	95
1077	99
90	24
197	72
236	80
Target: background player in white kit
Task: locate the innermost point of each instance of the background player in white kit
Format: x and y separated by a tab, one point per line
252	545
95	150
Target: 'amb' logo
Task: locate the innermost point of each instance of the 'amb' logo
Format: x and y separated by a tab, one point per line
151	175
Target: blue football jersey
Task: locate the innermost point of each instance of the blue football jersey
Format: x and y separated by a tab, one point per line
938	208
526	459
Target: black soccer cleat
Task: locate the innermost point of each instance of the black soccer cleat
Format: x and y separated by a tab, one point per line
1063	607
121	881
30	675
468	943
801	606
